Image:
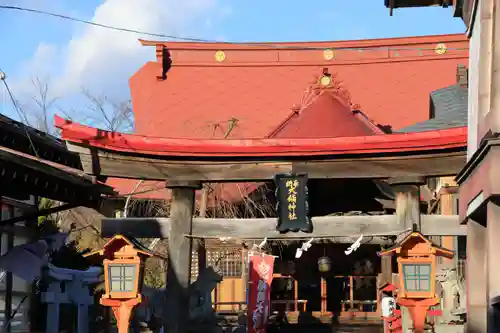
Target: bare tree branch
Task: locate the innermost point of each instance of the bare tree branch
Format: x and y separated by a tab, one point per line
99	110
44	103
37	111
112	116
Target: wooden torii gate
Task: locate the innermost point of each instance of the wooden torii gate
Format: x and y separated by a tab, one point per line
403	160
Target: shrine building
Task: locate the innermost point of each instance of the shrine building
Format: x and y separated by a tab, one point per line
33	166
369	122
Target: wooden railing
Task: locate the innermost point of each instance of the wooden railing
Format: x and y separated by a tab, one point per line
288	304
350	306
240	307
355	304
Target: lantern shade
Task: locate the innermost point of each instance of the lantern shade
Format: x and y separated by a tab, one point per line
417	277
122	278
123	259
416	256
324	264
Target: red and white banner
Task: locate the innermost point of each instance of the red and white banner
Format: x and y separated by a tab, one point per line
260	277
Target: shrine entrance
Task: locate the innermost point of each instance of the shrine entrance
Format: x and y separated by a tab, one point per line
401	162
347	291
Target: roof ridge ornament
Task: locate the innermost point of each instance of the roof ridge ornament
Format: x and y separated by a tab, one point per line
327	81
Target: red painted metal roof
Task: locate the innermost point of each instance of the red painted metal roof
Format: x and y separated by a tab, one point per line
254	89
261	148
326	112
256	92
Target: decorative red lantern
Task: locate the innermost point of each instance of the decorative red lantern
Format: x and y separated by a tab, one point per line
123	261
416	257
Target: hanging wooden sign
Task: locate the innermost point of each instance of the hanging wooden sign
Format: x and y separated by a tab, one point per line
292	203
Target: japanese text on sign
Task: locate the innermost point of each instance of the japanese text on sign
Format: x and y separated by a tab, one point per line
259	292
260	312
292	203
292	185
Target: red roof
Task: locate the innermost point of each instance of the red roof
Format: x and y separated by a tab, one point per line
230	149
155	190
326	111
261	91
251	92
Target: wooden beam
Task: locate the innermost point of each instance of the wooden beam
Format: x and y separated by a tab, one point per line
128	166
37	213
408	201
179	259
325	226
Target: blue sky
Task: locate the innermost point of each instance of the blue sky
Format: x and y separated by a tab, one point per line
70	55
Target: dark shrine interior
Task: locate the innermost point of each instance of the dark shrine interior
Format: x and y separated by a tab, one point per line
362	262
328	197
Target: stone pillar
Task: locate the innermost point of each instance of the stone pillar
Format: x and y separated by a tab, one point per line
493	266
179	255
476	277
54	297
81	298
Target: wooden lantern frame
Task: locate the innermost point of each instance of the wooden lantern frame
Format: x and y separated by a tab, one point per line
122	251
125	256
402	278
416	249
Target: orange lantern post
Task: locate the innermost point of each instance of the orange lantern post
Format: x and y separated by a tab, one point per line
123	260
416	256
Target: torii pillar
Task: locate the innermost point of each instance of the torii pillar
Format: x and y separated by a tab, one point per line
179	254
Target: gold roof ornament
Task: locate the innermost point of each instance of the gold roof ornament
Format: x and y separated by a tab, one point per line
326	80
328	54
441	48
220	56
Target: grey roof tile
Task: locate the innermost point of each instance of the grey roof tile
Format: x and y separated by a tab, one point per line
448	109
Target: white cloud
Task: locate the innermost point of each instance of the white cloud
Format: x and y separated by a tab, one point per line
102	60
42	64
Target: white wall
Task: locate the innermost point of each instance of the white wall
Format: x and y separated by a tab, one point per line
473	110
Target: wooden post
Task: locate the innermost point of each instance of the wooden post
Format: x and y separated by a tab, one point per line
323	295
408	216
351	293
244	271
179	255
200	244
385	277
448	298
447	197
296	294
408	201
